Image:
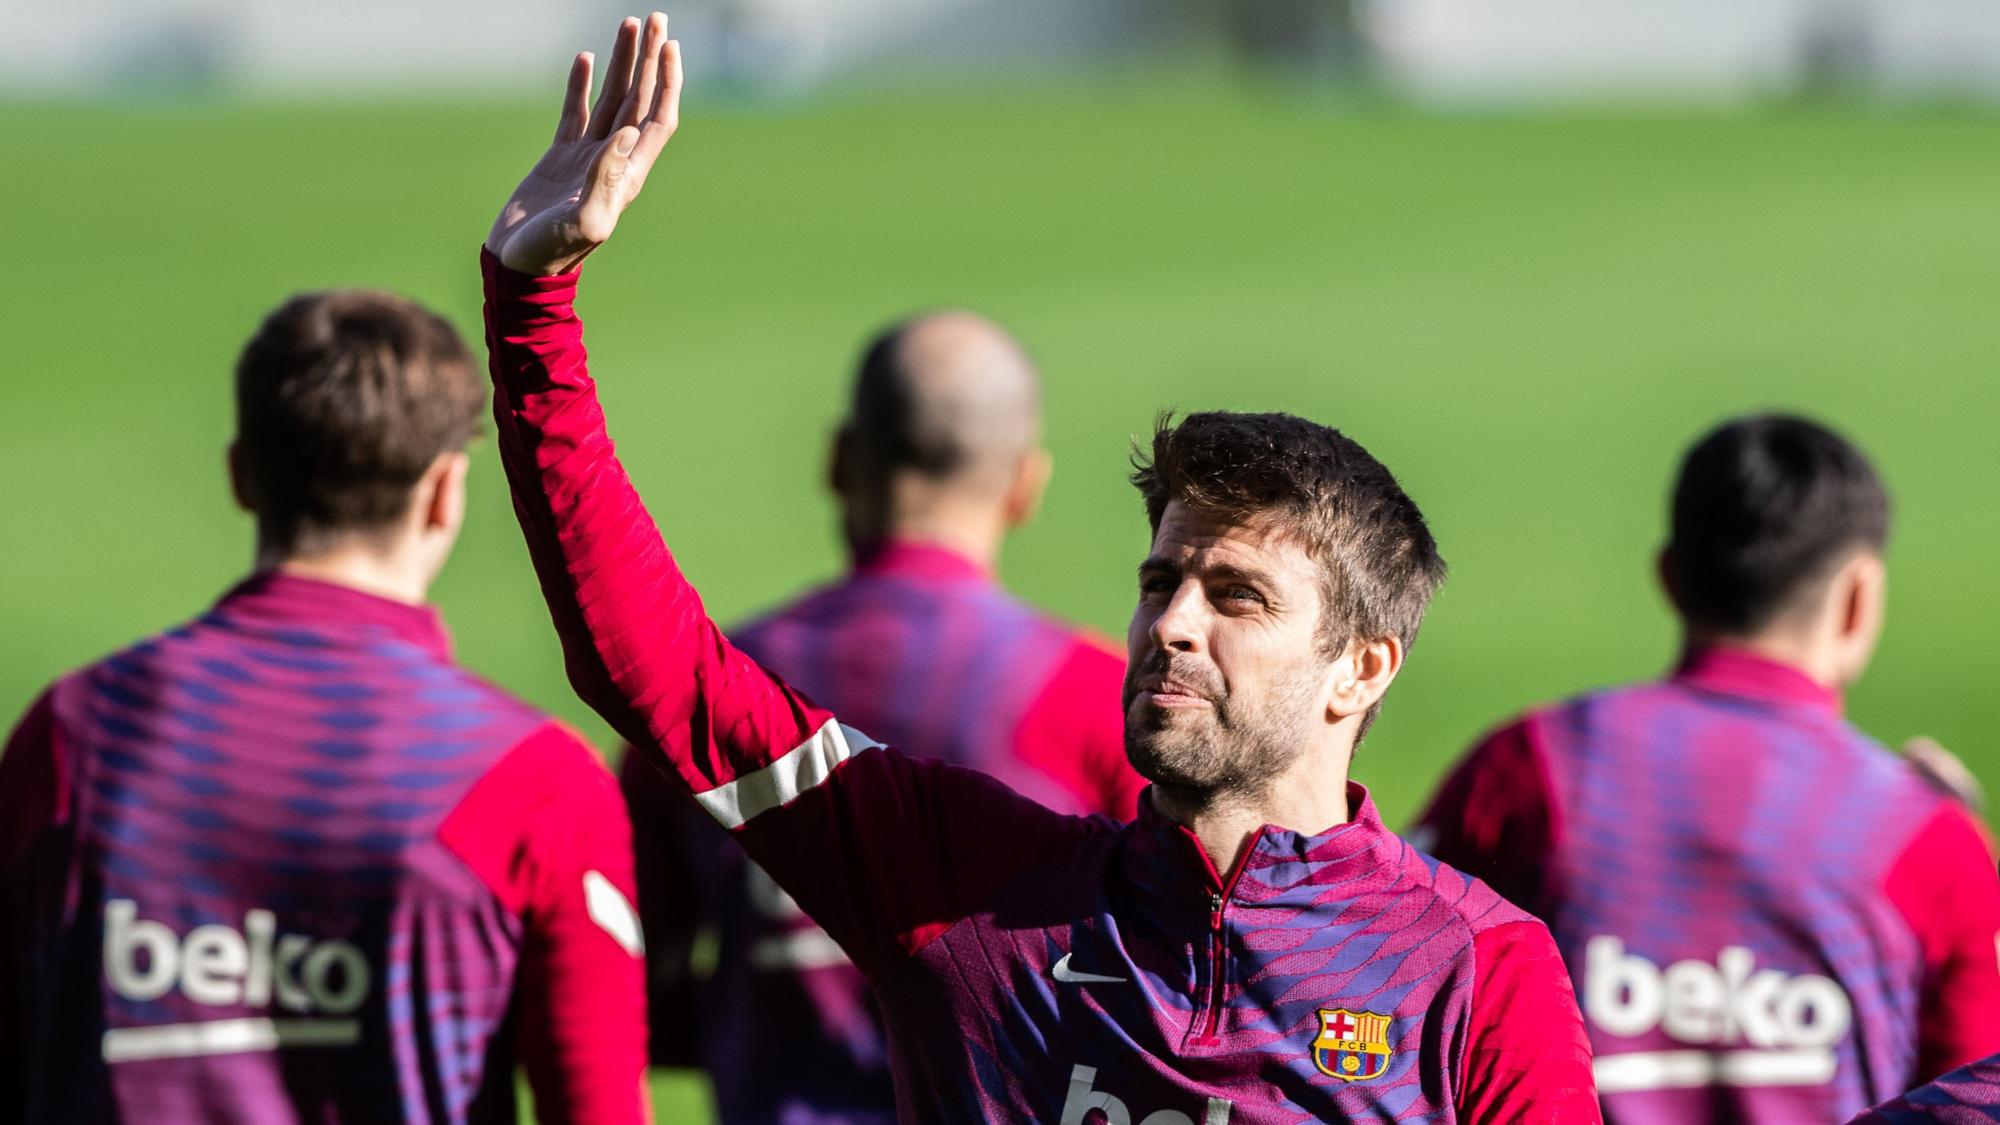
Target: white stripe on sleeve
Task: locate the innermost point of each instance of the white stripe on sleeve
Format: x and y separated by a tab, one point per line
613	912
735	804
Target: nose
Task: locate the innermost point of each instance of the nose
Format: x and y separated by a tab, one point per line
1179	627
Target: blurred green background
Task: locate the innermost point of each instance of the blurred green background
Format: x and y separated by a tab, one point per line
1526	316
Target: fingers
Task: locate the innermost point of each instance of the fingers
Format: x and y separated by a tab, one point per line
665	116
575	118
608	191
646	74
667	108
617	80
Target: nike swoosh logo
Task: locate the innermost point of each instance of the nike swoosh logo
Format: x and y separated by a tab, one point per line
1066	975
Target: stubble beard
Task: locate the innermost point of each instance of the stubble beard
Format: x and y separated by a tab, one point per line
1232	750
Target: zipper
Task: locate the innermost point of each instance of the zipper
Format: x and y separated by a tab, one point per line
1218	903
1208	1034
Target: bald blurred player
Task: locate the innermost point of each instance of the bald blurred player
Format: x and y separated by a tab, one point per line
1769	916
939	458
288	862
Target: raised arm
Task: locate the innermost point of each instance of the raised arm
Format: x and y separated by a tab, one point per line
880	850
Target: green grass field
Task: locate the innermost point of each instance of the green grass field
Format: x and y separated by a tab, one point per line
1526	317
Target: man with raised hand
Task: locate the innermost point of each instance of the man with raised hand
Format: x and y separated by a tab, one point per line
289	862
1770	917
1255	947
939	458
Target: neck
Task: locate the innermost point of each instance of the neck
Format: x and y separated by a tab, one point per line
392	576
975	541
1307	798
1793	650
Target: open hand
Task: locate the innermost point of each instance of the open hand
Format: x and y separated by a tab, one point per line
570	201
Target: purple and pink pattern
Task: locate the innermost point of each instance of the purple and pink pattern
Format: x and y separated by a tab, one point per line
1105	994
939	661
926	651
1969	1095
1749	837
258	797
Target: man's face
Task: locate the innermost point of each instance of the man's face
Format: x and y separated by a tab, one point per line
1226	678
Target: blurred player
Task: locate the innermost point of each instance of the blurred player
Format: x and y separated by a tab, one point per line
1769	917
939	458
1969	1095
287	862
1255	947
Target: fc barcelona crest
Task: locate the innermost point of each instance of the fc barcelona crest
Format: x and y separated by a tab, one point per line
1352	1046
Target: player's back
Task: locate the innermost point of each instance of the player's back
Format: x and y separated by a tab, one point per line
261	893
1721	876
921	642
926	645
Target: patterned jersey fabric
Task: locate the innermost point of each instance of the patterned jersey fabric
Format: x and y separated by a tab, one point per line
1031	965
1768	917
921	645
286	863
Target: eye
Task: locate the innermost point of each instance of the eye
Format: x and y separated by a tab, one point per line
1155	584
1241	594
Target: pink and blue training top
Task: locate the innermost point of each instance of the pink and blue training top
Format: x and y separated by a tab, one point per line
289	863
1769	917
922	647
1029	965
1969	1095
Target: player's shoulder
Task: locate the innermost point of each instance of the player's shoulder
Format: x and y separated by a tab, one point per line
1604	704
457	683
546	777
1088	652
129	676
810	607
1477	907
1527	727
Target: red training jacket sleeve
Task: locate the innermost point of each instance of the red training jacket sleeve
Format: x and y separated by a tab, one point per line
546	831
882	852
1527	1058
1495	817
1945	885
34	797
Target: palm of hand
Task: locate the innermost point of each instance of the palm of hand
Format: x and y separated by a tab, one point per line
570	202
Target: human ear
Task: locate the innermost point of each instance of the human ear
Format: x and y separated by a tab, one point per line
239	488
839	471
1362	674
1031	480
1664	570
444	486
1861	590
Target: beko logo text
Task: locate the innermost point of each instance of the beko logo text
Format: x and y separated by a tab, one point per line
1694	1002
217	964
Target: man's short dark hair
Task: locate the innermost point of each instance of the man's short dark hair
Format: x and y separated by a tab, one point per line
1378	562
343	400
1765	509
